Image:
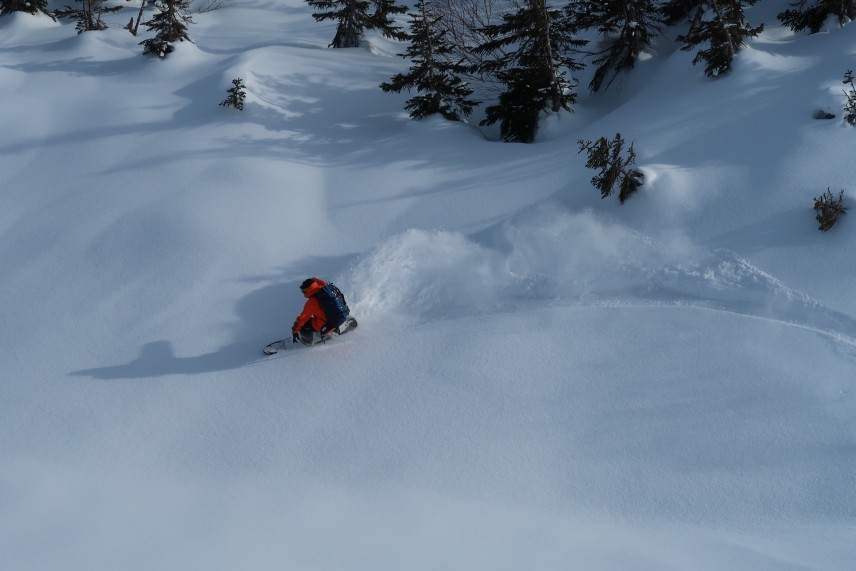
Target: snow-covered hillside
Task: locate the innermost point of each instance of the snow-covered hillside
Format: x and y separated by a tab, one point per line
541	379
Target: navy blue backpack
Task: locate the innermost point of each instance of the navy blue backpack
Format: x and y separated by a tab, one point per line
334	305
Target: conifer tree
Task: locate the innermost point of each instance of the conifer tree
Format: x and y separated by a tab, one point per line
437	81
354	17
540	42
27	6
88	15
720	24
812	17
628	27
170	25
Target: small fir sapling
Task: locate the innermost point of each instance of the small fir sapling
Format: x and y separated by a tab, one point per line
605	156
236	95
828	209
850	106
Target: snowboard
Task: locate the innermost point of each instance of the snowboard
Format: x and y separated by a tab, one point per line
283	344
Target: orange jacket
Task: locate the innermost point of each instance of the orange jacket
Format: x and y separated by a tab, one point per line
312	312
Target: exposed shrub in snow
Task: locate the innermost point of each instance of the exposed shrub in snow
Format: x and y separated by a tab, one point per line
464	22
828	209
850	106
202	6
236	95
88	14
605	156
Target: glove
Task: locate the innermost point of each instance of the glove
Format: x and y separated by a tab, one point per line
295	337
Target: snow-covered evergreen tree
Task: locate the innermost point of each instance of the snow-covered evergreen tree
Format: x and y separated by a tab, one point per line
722	26
88	15
533	50
628	27
356	16
803	16
28	6
170	25
436	79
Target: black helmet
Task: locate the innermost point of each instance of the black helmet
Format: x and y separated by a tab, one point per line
306	283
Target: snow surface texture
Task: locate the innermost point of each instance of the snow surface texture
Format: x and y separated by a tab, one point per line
541	379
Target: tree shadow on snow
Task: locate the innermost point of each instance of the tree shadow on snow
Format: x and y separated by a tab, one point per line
264	315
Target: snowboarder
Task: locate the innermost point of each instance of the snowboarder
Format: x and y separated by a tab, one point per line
324	313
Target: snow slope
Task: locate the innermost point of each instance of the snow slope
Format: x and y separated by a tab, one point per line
541	379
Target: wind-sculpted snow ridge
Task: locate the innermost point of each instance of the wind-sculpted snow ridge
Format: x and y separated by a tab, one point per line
548	259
